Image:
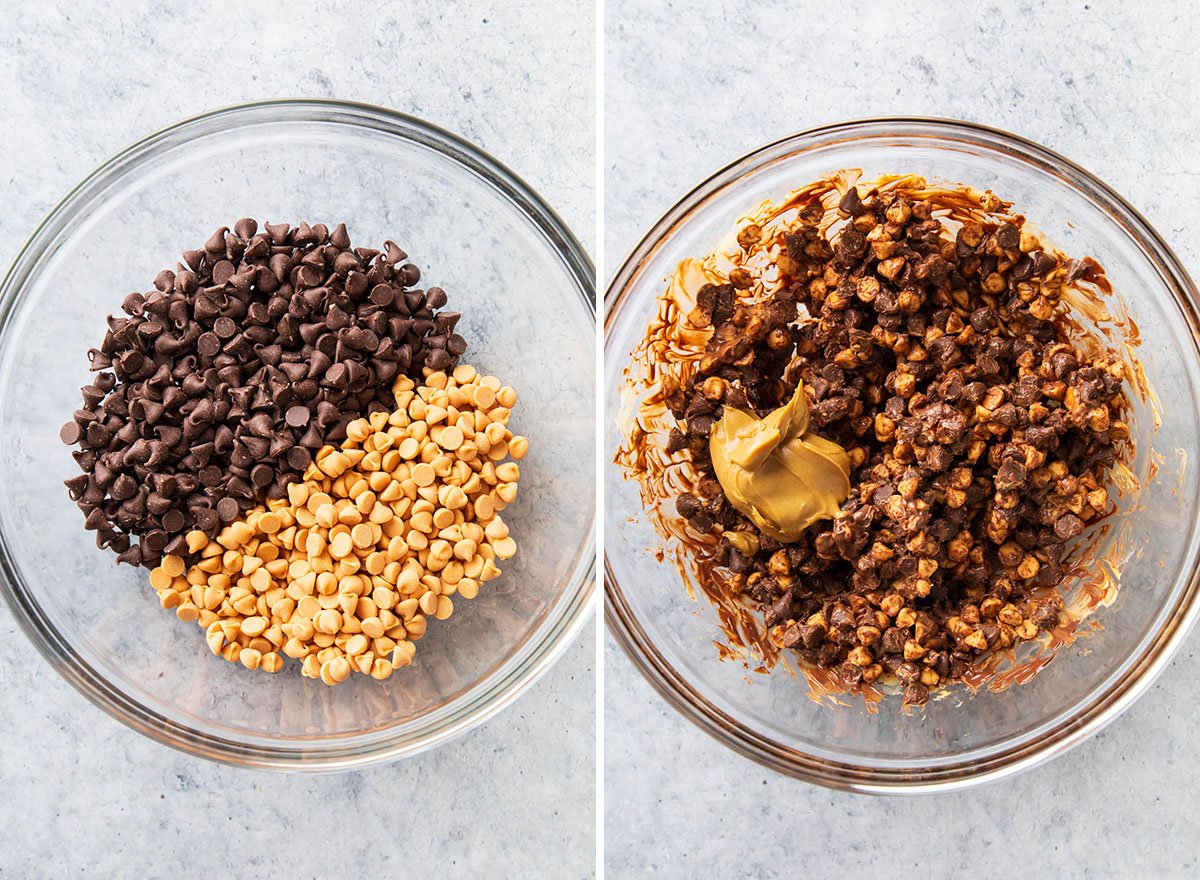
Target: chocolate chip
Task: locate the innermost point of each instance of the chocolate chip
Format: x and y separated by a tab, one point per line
224	327
227	510
261	476
1076	269
222	272
155	541
687	505
1068	526
1043	262
915	694
1007	236
851	203
208	344
173	521
299	458
298	416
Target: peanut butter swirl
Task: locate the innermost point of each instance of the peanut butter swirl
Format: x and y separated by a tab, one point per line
778	472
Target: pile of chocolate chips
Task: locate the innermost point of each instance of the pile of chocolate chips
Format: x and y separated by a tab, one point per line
219	385
979	436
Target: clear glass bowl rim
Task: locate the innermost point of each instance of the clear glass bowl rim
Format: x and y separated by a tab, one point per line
1102	707
314	754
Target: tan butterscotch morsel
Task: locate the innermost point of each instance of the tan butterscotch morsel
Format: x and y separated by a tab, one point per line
344	574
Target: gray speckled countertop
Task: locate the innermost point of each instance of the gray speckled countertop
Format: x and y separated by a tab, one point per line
81	794
1111	85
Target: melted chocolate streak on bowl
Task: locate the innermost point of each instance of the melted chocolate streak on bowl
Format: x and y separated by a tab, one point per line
1095	317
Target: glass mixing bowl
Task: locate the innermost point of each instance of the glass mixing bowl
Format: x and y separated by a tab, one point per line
526	291
967	737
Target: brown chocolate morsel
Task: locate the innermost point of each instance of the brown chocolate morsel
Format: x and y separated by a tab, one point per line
446	322
345	263
394	253
435	297
1007	236
260	425
312	438
1043	262
382	294
299	458
210	476
208	345
306	276
259	249
279	445
336	319
261	476
366	340
915	694
239	488
337	375
227	509
216	242
356	283
327	413
246	227
76	486
339	237
204	308
385	371
70	433
241	456
134	304
688	505
1076	269
298	416
186	282
155	541
224	327
304	235
123	488
194	259
1068	526
851	203
172	522
222	272
157	504
281	265
206	519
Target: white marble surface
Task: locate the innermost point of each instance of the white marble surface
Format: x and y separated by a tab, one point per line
690	88
81	794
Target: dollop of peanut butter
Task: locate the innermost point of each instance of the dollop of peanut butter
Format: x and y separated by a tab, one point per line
777	472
